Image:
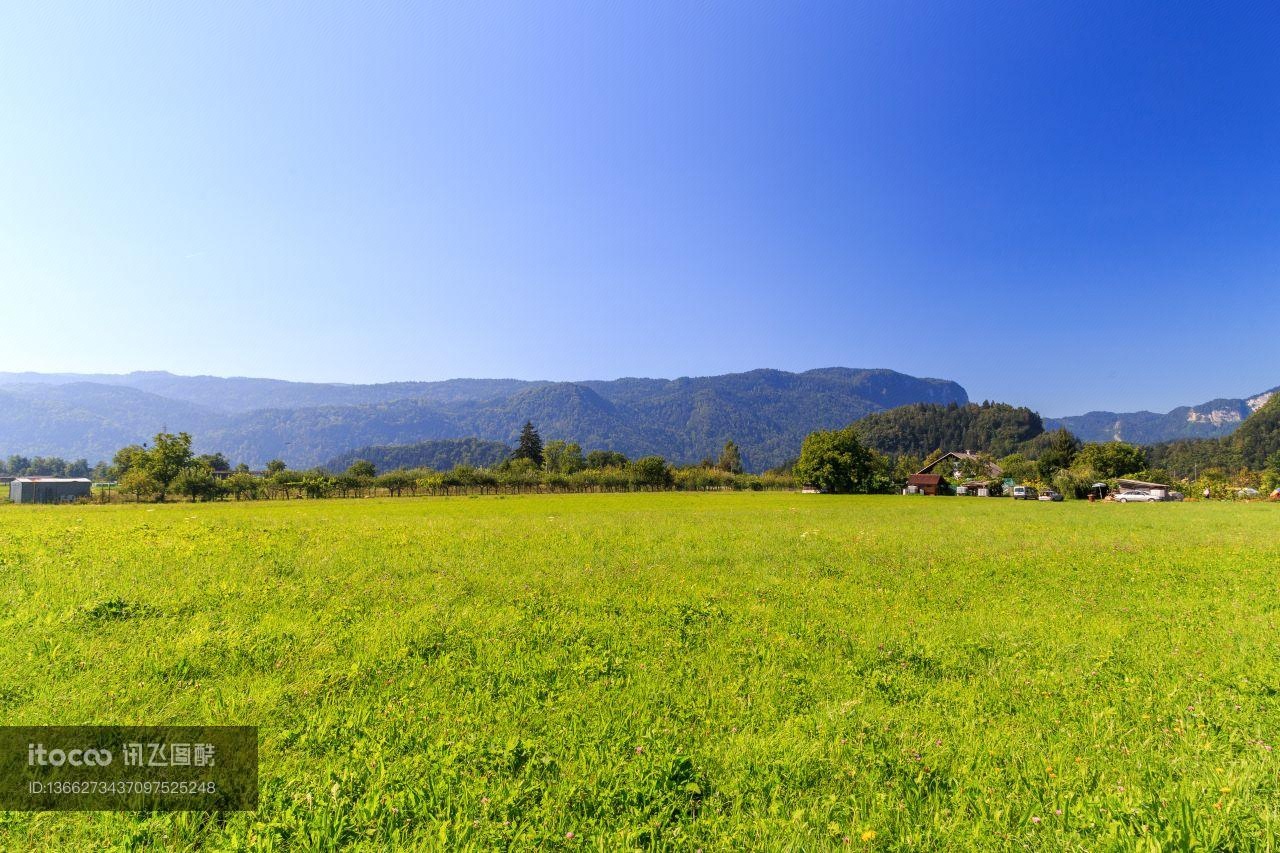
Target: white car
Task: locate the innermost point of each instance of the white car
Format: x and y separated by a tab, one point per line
1136	497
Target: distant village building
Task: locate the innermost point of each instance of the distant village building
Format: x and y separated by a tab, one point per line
48	490
960	466
926	484
955	462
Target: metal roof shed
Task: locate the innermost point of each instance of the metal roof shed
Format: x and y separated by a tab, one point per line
48	490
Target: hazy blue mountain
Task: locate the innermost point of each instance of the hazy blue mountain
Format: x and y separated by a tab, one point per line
308	436
767	412
1213	419
88	420
243	394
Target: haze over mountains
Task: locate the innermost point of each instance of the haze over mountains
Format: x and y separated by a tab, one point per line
1213	419
767	412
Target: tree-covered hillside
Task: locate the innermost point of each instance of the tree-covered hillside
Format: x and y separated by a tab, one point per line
440	455
917	430
1258	438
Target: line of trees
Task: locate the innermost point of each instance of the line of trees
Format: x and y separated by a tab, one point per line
167	467
47	466
833	460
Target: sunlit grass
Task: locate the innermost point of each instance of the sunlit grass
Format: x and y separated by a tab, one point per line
669	670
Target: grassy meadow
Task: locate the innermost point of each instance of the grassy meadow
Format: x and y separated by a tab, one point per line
671	671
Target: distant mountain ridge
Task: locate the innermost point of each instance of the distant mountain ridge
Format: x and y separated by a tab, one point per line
767	412
1214	419
234	394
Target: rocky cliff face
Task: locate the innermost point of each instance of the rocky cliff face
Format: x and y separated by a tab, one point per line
1213	419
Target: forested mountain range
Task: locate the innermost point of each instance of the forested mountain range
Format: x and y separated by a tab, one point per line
1213	419
767	412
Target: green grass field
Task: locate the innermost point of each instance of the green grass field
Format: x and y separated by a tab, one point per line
674	671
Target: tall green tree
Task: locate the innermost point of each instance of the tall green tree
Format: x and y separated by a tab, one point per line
362	468
598	459
242	484
904	466
1061	452
196	481
652	471
560	457
1019	468
127	459
1112	459
137	482
837	461
730	458
169	454
215	461
530	446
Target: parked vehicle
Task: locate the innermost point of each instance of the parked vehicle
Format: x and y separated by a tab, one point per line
1025	493
1132	496
1051	495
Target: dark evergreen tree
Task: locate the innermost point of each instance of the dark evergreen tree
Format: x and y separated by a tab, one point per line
530	446
730	458
1062	450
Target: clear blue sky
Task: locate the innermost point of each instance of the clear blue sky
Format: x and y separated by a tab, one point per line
992	193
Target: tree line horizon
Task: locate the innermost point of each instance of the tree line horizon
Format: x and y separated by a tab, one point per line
852	459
